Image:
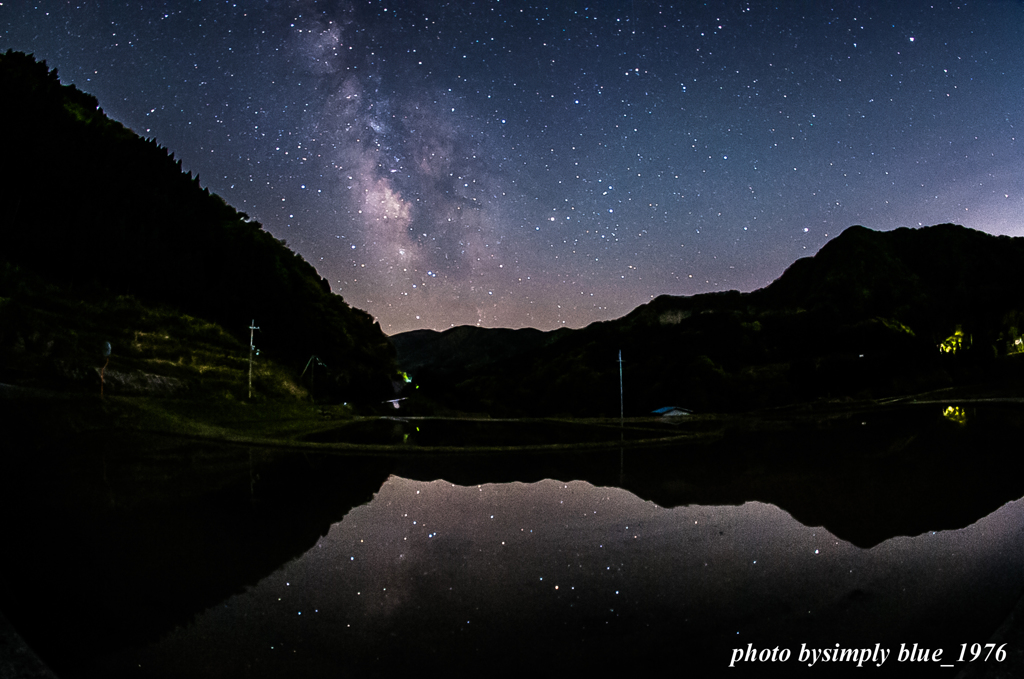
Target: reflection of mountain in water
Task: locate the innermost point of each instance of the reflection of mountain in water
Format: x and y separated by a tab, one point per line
132	534
866	475
572	576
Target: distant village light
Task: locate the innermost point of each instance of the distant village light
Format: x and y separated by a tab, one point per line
955	342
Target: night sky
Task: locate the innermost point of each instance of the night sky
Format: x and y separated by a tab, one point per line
518	164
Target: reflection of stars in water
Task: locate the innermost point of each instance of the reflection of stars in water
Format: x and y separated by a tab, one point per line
576	559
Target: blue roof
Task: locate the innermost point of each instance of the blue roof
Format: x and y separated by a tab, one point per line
668	409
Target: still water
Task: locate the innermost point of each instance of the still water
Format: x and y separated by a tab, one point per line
570	575
759	542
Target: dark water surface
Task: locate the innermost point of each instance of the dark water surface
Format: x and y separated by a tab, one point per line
569	575
871	529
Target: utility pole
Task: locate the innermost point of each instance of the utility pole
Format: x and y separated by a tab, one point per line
106	353
252	348
622	407
311	364
622	420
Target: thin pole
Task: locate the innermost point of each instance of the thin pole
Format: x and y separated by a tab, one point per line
252	347
622	419
311	367
622	408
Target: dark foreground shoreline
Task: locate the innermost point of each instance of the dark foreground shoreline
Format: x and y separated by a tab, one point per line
138	514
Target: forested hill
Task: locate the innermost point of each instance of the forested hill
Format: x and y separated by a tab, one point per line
873	314
89	204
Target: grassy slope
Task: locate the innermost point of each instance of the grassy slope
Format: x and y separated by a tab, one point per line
92	206
52	338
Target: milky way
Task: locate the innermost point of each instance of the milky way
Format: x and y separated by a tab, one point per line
516	164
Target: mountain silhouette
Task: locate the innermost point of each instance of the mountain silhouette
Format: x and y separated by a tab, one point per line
97	210
867	316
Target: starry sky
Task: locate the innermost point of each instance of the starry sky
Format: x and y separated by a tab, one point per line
518	164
